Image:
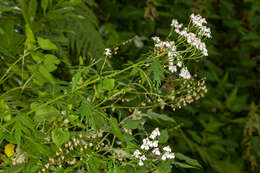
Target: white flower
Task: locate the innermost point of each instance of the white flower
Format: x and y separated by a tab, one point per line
66	121
168	155
164	157
185	73
63	112
143	158
197	20
156	39
155	133
140	163
156	151
167	148
173	68
145	146
108	52
155	144
137	153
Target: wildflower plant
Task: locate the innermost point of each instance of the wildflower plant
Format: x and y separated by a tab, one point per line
105	118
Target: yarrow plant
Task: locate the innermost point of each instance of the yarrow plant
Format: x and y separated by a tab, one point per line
99	121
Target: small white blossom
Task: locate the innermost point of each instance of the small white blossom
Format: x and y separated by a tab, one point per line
140	163
197	20
167	148
168	155
156	151
108	52
155	144
155	133
137	153
173	68
164	157
143	158
156	39
185	73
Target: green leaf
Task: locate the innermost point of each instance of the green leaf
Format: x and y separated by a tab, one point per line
30	40
44	4
37	57
46	44
132	124
51	62
115	129
157	70
46	74
156	116
87	111
32	9
165	167
182	165
75	80
163	138
191	162
108	84
59	136
48	113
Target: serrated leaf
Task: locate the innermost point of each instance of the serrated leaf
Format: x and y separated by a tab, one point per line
157	70
59	136
51	62
46	44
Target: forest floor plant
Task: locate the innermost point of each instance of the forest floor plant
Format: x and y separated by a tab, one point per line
105	119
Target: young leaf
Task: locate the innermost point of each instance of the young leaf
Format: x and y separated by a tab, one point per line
108	84
157	70
59	136
45	73
51	62
115	128
46	44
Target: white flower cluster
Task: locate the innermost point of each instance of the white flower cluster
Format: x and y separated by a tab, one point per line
172	54
198	21
108	52
191	38
151	143
185	73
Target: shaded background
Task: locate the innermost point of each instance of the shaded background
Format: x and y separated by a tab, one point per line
222	130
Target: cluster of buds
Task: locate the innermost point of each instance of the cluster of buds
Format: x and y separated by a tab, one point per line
153	145
76	149
190	90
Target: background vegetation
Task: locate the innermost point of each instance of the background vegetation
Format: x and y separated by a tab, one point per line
221	131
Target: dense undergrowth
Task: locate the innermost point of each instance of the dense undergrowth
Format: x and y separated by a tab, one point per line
67	104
